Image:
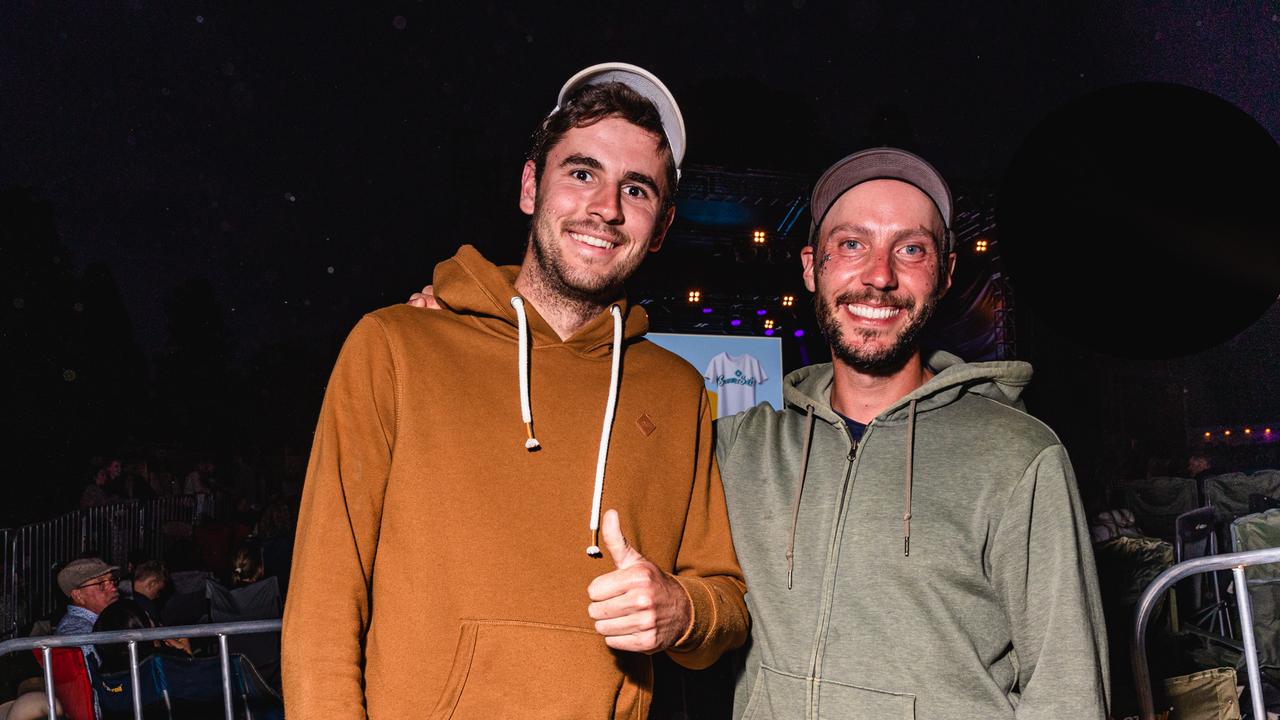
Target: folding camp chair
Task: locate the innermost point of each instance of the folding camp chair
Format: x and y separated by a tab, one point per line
1195	536
71	683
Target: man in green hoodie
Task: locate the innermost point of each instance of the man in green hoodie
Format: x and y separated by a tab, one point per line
913	542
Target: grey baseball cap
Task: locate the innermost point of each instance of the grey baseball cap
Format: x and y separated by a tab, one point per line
884	163
643	82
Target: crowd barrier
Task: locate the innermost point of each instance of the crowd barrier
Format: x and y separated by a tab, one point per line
45	644
34	553
1236	562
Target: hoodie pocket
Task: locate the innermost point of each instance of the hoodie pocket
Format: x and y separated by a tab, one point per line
839	701
777	696
781	696
510	668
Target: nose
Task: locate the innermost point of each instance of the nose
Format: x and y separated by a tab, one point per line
606	204
880	273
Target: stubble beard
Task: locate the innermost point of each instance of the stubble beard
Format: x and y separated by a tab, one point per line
884	361
558	282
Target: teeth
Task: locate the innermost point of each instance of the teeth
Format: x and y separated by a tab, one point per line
591	240
873	313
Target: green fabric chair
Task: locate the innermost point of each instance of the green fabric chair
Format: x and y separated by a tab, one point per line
1157	503
1255	532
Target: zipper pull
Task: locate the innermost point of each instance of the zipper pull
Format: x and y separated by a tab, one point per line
853	449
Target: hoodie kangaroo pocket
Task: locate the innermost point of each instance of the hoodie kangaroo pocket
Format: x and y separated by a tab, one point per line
776	696
510	668
839	701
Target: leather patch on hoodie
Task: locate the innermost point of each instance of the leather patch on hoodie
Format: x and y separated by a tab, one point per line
646	424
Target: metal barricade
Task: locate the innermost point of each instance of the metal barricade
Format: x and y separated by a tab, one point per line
33	553
46	643
1236	562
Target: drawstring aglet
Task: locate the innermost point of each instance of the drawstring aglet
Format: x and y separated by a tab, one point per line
594	549
532	443
791	566
906	534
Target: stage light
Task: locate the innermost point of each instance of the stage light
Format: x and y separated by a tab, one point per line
1248	431
1227	433
695	296
1208	435
768	332
980	245
706	311
762	311
788	300
735	322
768	324
798	333
1267	431
759	237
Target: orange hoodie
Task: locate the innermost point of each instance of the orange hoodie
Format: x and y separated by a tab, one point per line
440	567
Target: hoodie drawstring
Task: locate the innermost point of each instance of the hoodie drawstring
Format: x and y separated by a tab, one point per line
594	548
795	511
911	448
526	414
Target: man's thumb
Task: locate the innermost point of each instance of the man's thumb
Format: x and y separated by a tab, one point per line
611	535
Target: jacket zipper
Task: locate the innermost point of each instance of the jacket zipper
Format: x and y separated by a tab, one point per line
829	576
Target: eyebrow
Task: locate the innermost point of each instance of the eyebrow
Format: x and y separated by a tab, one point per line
897	236
631	176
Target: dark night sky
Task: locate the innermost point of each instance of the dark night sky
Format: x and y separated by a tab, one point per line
313	163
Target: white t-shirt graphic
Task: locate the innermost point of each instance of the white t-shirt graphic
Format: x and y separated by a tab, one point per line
735	380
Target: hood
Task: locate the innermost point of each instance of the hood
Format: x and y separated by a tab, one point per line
808	390
473	287
1001	380
470	285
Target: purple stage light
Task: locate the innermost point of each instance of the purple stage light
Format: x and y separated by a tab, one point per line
735	322
769	332
762	312
798	333
706	311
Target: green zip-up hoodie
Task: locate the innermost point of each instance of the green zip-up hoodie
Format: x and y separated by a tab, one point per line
993	613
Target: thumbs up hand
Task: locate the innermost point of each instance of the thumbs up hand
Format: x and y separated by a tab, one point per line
637	607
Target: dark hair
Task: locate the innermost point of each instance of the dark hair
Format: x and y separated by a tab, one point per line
149	569
122	615
588	105
248	563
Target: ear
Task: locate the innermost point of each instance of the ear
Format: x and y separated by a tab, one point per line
806	261
660	234
528	187
951	268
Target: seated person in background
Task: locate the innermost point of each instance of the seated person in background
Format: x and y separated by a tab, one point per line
150	578
129	615
247	568
90	583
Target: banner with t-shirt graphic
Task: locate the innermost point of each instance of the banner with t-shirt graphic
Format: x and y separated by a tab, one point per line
740	371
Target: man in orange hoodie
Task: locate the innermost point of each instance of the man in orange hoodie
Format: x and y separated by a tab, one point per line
452	557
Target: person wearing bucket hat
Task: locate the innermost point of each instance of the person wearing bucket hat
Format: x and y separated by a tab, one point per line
90	585
501	517
914	542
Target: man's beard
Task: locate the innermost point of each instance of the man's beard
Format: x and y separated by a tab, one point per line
560	279
883	361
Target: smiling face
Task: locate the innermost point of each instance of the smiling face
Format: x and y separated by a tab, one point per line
597	210
875	273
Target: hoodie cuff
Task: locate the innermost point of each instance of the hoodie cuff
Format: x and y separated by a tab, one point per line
701	614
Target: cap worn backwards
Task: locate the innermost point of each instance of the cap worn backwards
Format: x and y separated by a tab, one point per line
647	85
884	163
